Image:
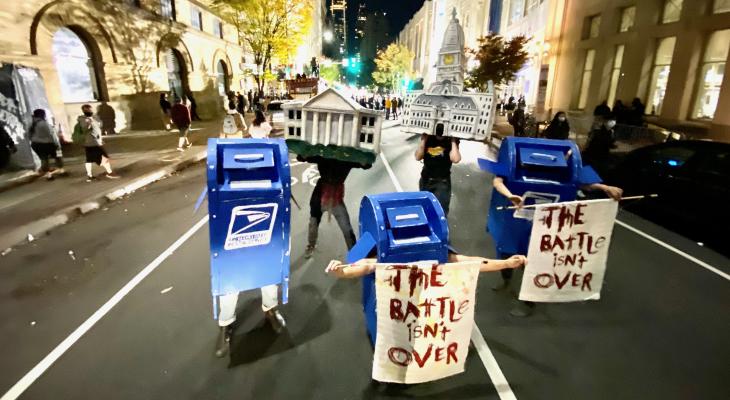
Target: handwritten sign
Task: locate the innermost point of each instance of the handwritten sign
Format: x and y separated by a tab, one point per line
568	251
425	316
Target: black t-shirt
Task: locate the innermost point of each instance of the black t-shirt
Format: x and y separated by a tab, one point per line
436	158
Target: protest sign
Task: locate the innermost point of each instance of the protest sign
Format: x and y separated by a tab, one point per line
425	315
566	259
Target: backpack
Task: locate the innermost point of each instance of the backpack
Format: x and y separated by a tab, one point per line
78	136
229	124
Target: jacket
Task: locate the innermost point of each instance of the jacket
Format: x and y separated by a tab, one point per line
42	132
180	115
92	129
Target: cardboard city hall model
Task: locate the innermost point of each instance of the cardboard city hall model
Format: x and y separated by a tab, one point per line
331	125
445	108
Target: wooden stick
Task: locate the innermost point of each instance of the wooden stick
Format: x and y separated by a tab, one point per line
622	199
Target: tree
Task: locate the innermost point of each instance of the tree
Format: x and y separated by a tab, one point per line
499	60
271	29
392	65
330	73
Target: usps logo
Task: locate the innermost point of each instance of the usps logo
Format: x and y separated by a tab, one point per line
532	199
251	226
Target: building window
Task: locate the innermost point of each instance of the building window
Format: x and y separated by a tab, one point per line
711	75
585	81
299	114
628	15
721	6
218	28
592	27
672	11
660	74
75	66
371	122
517	10
167	9
291	131
618	58
196	18
222	78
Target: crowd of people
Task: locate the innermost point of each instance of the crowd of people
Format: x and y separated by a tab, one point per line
390	104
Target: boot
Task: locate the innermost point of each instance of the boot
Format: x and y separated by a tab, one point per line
522	309
276	320
311	237
223	344
504	284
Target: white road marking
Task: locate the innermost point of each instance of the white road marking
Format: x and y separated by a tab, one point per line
24	383
675	250
485	354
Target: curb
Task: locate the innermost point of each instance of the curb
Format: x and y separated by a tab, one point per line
44	226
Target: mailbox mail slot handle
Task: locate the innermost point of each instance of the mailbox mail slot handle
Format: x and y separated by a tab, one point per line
260	184
418	239
248	157
542	155
406	216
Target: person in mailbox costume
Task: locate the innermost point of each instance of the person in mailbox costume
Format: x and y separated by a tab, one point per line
533	171
403	227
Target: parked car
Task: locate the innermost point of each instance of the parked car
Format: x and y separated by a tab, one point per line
692	179
277	116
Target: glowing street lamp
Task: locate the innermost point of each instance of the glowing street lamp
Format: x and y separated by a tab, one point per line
328	36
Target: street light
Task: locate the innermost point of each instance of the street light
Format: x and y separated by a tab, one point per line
328	36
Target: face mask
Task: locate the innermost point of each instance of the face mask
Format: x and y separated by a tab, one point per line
561	119
610	124
88	113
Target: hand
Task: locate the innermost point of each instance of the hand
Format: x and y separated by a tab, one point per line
516	200
516	261
335	268
613	192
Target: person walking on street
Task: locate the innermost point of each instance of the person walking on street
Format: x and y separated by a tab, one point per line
388	104
438	154
233	123
636	113
45	143
600	142
260	128
165	107
182	119
510	107
7	147
394	107
559	127
329	195
519	121
93	144
249	98
241	106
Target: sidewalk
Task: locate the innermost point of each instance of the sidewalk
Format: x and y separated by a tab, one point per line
33	206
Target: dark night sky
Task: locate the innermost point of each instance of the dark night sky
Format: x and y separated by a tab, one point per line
399	11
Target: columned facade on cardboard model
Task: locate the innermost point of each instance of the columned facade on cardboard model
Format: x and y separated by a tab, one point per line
446	108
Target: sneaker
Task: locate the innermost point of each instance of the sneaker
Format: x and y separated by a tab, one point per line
112	176
50	177
308	252
276	320
180	149
223	344
90	178
189	145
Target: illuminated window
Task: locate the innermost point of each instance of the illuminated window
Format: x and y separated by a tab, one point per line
672	11
628	15
592	27
618	59
721	6
75	67
585	81
711	75
660	74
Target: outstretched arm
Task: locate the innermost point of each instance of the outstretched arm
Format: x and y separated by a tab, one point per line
350	271
610	191
489	265
498	183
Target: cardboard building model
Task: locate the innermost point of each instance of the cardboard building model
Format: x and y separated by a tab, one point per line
445	108
331	125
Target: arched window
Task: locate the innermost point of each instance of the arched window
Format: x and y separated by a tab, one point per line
222	78
176	73
76	67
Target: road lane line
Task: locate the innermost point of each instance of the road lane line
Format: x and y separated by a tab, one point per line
675	250
485	354
24	383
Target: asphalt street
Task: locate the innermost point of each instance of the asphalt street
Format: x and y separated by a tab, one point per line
659	331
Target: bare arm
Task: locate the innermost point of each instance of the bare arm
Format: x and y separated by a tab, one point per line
357	270
489	265
421	150
455	154
610	191
498	183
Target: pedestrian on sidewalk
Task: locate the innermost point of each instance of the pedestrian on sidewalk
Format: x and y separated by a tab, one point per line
394	107
329	196
193	106
388	105
45	143
165	107
233	123
240	103
559	127
438	154
93	144
260	128
597	152
180	114
7	147
519	121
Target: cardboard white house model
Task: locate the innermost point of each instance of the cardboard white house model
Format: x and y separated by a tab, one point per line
331	118
445	108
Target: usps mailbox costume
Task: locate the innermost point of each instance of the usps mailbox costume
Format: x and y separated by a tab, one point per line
539	171
248	203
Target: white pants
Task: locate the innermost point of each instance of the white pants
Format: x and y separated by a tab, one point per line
227	304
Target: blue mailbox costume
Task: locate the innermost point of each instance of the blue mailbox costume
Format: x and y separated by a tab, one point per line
249	188
540	170
403	228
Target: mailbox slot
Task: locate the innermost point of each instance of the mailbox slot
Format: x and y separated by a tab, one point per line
408	226
541	163
248	168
